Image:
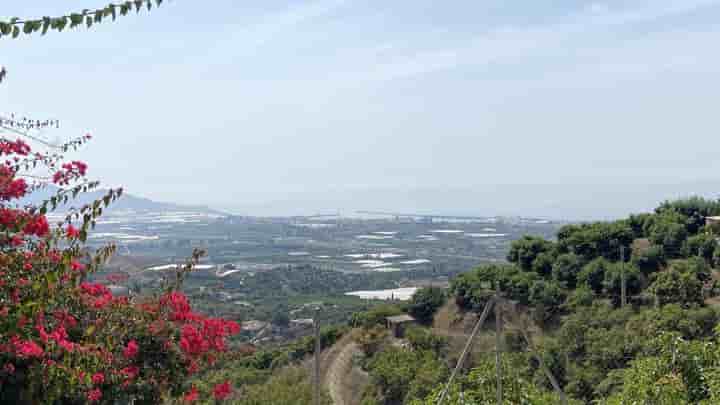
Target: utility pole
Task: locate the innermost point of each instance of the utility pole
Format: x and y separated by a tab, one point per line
466	350
498	367
622	276
316	374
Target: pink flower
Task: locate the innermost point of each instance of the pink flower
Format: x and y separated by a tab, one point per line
98	378
130	372
67	345
9	368
28	349
17	240
77	266
131	350
54	256
94	395
222	391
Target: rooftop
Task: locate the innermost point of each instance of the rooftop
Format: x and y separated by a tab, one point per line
400	318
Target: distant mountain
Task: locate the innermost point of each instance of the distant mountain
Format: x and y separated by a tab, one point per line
554	201
125	202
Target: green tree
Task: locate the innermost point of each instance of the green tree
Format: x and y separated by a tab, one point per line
479	386
425	302
695	266
701	245
650	260
582	296
595	239
613	281
546	297
542	265
593	274
421	339
692	209
402	375
525	250
670	235
674	286
566	269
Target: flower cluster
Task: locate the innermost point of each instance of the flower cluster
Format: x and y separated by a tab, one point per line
63	339
69	172
18	147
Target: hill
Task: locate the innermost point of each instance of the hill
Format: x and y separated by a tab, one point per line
124	203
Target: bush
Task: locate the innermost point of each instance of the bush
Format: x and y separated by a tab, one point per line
402	375
374	316
649	261
593	274
526	250
63	339
425	302
673	286
566	269
421	339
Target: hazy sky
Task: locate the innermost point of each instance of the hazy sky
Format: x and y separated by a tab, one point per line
222	102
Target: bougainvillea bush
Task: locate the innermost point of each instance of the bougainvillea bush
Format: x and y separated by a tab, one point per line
64	339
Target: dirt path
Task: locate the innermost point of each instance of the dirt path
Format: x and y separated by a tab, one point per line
337	372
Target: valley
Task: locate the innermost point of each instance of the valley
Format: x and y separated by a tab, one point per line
274	273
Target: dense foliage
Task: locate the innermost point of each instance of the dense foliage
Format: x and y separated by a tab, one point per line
63	339
425	302
660	348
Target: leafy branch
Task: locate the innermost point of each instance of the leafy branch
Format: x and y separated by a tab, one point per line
16	26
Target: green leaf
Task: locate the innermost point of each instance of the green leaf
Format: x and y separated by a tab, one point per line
75	20
28	27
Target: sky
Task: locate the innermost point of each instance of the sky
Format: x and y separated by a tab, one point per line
313	105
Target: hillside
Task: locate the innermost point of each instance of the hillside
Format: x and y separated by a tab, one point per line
605	313
125	202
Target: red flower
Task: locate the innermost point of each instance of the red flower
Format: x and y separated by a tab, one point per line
192	395
131	350
17	240
222	391
66	344
37	226
130	372
54	256
69	172
77	266
27	266
94	395
72	232
28	349
98	378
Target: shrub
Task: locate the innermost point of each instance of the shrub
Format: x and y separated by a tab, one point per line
425	302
